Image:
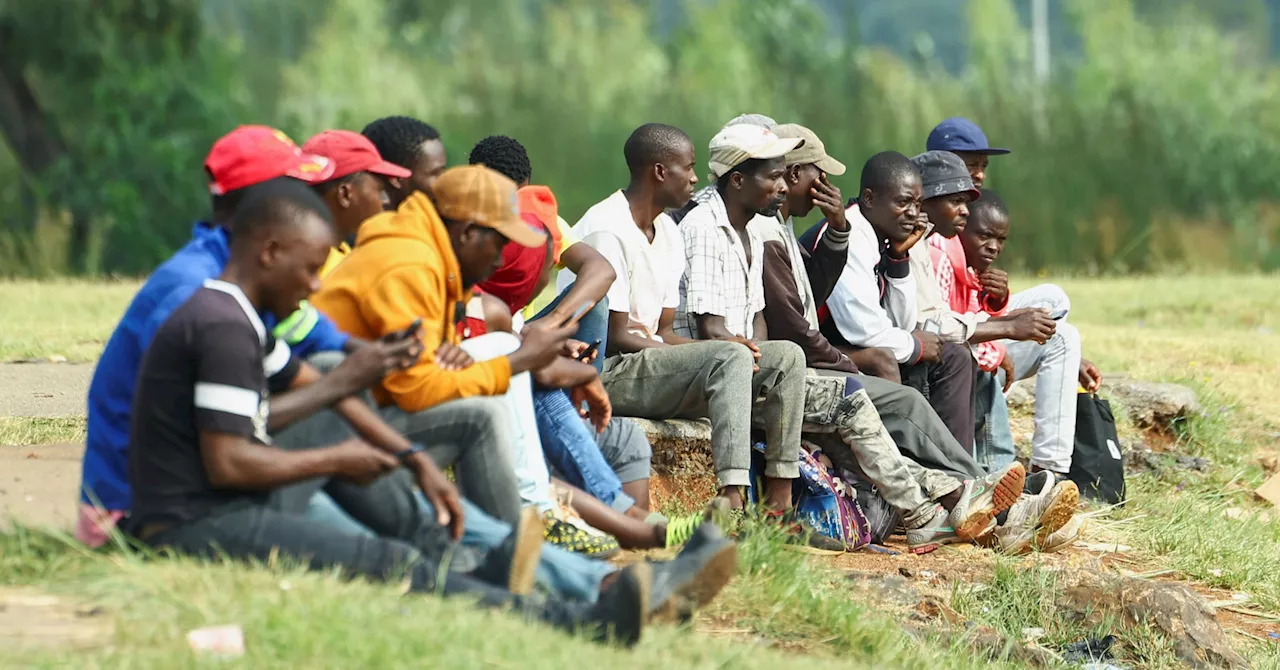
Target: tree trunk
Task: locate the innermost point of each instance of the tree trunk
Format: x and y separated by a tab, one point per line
35	144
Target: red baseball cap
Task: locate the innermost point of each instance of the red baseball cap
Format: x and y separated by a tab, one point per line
351	153
251	155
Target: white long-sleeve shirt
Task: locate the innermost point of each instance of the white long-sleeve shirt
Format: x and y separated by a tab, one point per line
864	316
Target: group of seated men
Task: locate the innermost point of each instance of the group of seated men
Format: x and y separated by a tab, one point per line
356	317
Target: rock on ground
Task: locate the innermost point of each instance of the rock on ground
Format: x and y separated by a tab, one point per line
1152	405
1173	609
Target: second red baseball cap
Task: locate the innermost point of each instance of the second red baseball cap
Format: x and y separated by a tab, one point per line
251	155
351	153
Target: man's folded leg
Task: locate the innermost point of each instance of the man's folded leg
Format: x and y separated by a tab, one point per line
781	385
917	429
568	574
258	532
841	405
1056	365
571	448
698	380
473	436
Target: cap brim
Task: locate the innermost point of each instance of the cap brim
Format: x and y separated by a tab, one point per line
312	169
831	166
972	192
991	151
387	169
778	148
516	230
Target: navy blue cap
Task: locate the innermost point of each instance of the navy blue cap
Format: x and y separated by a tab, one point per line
960	134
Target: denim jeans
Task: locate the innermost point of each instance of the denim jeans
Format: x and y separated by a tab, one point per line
993	442
594	325
565	573
1056	366
571	448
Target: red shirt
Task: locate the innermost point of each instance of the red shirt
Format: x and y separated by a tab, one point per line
960	287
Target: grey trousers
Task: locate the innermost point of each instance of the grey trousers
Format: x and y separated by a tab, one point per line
849	430
916	428
626	449
471	434
714	380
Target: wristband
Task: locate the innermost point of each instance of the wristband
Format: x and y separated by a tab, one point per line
414	448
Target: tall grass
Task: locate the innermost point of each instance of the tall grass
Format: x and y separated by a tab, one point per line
1153	146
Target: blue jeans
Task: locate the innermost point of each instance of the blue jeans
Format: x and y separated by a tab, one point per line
594	325
559	571
993	441
571	448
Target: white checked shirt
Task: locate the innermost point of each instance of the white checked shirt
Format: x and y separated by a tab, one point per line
717	279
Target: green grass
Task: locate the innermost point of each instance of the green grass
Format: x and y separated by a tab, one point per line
1218	334
65	318
295	619
28	430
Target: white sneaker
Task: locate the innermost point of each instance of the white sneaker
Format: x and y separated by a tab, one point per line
982	499
1064	537
1040	512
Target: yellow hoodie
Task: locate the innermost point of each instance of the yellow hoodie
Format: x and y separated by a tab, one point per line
403	268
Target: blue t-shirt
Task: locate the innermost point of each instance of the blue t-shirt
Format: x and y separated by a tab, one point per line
105	474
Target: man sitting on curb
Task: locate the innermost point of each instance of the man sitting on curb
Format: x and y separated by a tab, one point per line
950	185
650	371
873	305
246	156
587	459
1055	421
419	263
722	291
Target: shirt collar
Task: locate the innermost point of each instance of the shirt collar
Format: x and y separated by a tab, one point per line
243	300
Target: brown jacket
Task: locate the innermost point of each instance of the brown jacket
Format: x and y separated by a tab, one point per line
784	309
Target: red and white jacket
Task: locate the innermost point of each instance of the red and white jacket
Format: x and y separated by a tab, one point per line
960	287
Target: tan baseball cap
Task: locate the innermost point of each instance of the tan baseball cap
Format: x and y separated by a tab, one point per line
738	143
811	152
477	194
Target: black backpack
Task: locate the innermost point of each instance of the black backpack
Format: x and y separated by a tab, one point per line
1097	465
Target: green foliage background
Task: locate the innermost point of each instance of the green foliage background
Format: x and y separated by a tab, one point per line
1153	146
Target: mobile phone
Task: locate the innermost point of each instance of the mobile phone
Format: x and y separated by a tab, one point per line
586	353
412	329
932	326
1058	315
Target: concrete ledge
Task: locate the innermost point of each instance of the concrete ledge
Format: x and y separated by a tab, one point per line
683	474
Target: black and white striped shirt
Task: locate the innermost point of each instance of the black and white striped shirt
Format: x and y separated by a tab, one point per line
209	368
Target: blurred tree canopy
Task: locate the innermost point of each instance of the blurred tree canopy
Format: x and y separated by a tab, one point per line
1155	145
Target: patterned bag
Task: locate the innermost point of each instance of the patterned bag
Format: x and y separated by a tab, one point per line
823	501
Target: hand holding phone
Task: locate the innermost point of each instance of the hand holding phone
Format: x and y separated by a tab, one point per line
590	351
412	330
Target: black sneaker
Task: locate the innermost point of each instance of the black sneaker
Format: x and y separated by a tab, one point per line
803	537
619	615
694	577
